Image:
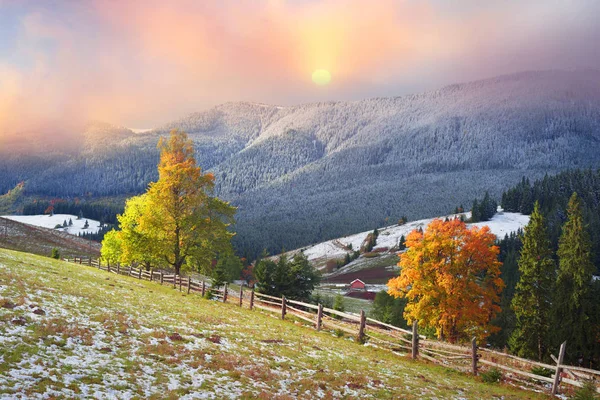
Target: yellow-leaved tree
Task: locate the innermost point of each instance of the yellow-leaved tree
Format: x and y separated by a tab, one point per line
177	221
450	275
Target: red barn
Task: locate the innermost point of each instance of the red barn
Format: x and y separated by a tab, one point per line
357	284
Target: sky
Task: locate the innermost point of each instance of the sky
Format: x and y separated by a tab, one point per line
143	63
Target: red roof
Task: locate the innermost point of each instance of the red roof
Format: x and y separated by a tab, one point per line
357	284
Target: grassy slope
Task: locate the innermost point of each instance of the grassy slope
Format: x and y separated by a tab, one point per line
106	335
33	239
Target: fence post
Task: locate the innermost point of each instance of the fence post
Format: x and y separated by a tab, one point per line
252	299
100	263
225	293
80	258
90	261
161	277
140	273
108	267
319	316
415	340
361	329
203	288
174	281
189	282
151	274
180	283
561	355
241	293
129	273
474	356
118	268
283	307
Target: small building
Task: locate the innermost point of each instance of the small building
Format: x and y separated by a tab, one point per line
357	284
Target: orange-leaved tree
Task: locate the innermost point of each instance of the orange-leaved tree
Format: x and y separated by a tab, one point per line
450	275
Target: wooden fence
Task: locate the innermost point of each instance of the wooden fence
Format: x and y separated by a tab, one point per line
468	359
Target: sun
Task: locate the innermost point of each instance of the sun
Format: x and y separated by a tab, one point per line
321	77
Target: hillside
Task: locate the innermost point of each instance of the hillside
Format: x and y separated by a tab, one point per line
379	265
37	240
72	331
50	221
307	173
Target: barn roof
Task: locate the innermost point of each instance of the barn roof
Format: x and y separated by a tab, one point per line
357	280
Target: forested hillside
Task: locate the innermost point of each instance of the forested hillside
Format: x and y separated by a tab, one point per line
553	193
307	173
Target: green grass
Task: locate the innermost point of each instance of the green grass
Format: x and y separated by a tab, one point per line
106	334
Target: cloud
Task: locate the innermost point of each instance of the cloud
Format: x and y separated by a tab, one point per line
142	63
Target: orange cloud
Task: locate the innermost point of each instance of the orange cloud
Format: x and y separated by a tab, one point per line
142	63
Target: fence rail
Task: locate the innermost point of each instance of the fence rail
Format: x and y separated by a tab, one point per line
463	358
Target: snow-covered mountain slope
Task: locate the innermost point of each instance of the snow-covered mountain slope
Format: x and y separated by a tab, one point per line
311	172
47	221
500	225
379	265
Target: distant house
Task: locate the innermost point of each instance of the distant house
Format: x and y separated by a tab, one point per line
357	284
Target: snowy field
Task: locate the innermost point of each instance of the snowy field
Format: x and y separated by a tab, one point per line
501	224
72	332
47	221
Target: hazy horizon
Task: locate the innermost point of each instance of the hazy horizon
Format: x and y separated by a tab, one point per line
142	64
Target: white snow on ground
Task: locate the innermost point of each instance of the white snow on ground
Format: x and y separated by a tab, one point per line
47	221
501	224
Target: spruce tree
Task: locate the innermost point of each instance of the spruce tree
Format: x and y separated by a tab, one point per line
219	274
572	305
475	213
402	243
533	294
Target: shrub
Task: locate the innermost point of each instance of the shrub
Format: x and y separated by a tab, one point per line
493	375
587	392
338	333
55	253
338	305
542	371
331	265
380	250
371	254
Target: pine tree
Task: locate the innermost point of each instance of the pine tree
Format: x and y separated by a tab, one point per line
70	222
475	213
402	243
533	294
572	308
347	259
219	274
338	305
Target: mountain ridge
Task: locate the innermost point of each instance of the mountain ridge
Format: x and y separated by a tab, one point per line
315	171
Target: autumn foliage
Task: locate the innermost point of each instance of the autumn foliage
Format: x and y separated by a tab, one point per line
177	222
450	275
